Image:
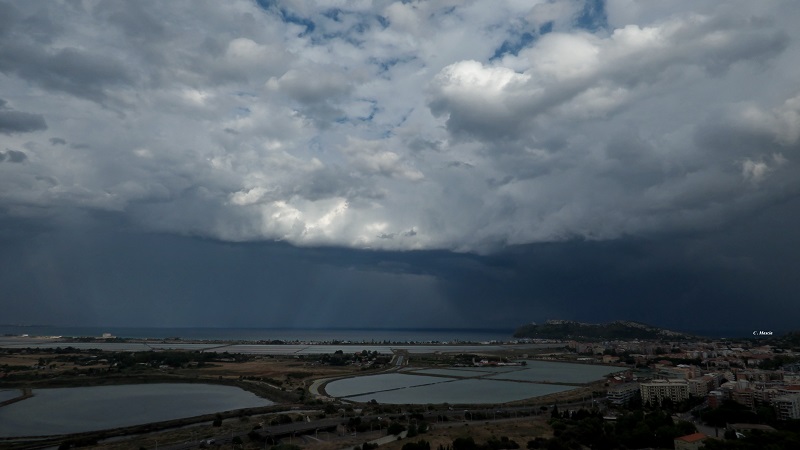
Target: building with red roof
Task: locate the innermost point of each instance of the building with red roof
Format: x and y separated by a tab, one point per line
690	441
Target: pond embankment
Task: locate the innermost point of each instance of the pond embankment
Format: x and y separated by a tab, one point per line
25	393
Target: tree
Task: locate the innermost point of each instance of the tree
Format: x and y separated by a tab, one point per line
536	443
466	443
421	445
395	428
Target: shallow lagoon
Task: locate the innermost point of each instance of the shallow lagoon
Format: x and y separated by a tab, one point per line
372	383
557	372
472	385
73	410
458	373
464	391
8	394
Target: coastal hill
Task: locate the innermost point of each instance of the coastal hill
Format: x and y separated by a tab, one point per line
619	329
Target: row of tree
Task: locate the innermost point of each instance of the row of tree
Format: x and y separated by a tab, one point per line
572	430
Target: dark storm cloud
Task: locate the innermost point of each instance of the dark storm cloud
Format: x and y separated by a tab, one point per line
730	282
69	70
13	156
613	162
25	51
135	19
8	17
127	277
19	122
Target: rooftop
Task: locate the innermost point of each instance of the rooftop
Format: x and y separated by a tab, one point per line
692	437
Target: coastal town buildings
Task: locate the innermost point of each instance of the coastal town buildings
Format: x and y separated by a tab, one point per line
690	442
622	394
656	391
787	407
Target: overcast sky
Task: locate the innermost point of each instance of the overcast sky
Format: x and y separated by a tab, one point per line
440	163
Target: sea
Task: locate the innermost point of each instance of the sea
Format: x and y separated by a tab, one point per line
337	335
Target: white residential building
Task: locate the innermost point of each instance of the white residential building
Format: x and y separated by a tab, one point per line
621	394
656	391
787	406
699	387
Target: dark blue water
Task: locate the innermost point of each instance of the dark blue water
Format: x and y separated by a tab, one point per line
79	409
366	335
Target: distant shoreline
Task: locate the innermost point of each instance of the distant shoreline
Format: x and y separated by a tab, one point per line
283	349
337	336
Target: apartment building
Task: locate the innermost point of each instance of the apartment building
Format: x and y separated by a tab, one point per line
621	394
787	407
656	391
700	387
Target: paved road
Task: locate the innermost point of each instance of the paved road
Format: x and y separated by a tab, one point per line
275	431
383	440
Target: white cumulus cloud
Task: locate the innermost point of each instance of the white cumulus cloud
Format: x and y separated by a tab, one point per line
466	126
